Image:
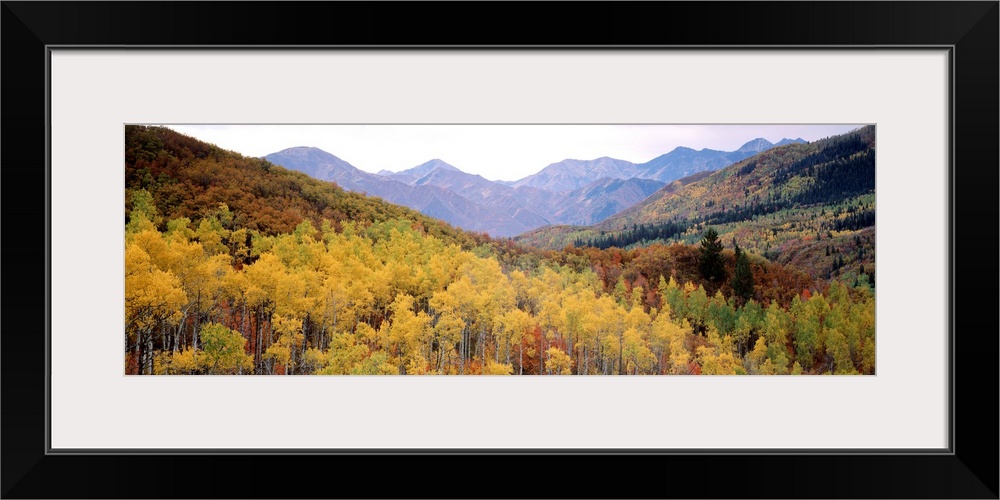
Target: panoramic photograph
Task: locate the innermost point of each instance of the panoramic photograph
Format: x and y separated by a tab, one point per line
499	249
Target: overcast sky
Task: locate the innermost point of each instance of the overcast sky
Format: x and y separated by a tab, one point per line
497	152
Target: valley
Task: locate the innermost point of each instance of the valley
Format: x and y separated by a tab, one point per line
580	192
236	265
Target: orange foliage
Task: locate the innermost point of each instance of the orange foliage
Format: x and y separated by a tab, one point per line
131	364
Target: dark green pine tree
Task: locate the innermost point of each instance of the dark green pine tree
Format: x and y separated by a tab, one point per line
742	281
710	260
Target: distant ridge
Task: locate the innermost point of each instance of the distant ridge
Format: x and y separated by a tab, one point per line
680	162
571	191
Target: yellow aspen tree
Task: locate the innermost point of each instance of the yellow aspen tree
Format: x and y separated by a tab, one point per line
638	359
494	368
153	298
668	338
223	351
719	359
838	350
313	360
346	354
572	324
559	363
587	347
697	305
610	327
408	332
211	234
680	357
184	362
516	324
143	216
290	338
757	361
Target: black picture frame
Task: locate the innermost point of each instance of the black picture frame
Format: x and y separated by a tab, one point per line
968	470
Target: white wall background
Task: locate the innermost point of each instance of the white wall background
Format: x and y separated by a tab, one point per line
95	92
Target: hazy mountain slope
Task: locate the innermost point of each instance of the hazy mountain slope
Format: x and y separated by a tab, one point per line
469	201
558	236
566	192
537	207
486	193
681	162
790	141
429	199
411	174
602	199
781	203
569	174
797	175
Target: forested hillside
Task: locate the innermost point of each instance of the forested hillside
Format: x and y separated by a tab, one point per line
192	179
236	266
810	205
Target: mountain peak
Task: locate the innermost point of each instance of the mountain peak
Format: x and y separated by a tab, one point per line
755	146
298	150
570	174
306	151
428	167
437	163
314	162
786	140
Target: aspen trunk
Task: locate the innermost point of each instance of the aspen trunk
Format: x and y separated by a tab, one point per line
138	353
197	322
541	353
520	359
149	353
621	367
461	353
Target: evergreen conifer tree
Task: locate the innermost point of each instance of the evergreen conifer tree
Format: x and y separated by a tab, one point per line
710	260
742	281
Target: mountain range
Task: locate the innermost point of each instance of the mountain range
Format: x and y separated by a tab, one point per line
811	205
577	192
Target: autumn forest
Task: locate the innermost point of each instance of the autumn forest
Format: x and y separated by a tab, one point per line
237	266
